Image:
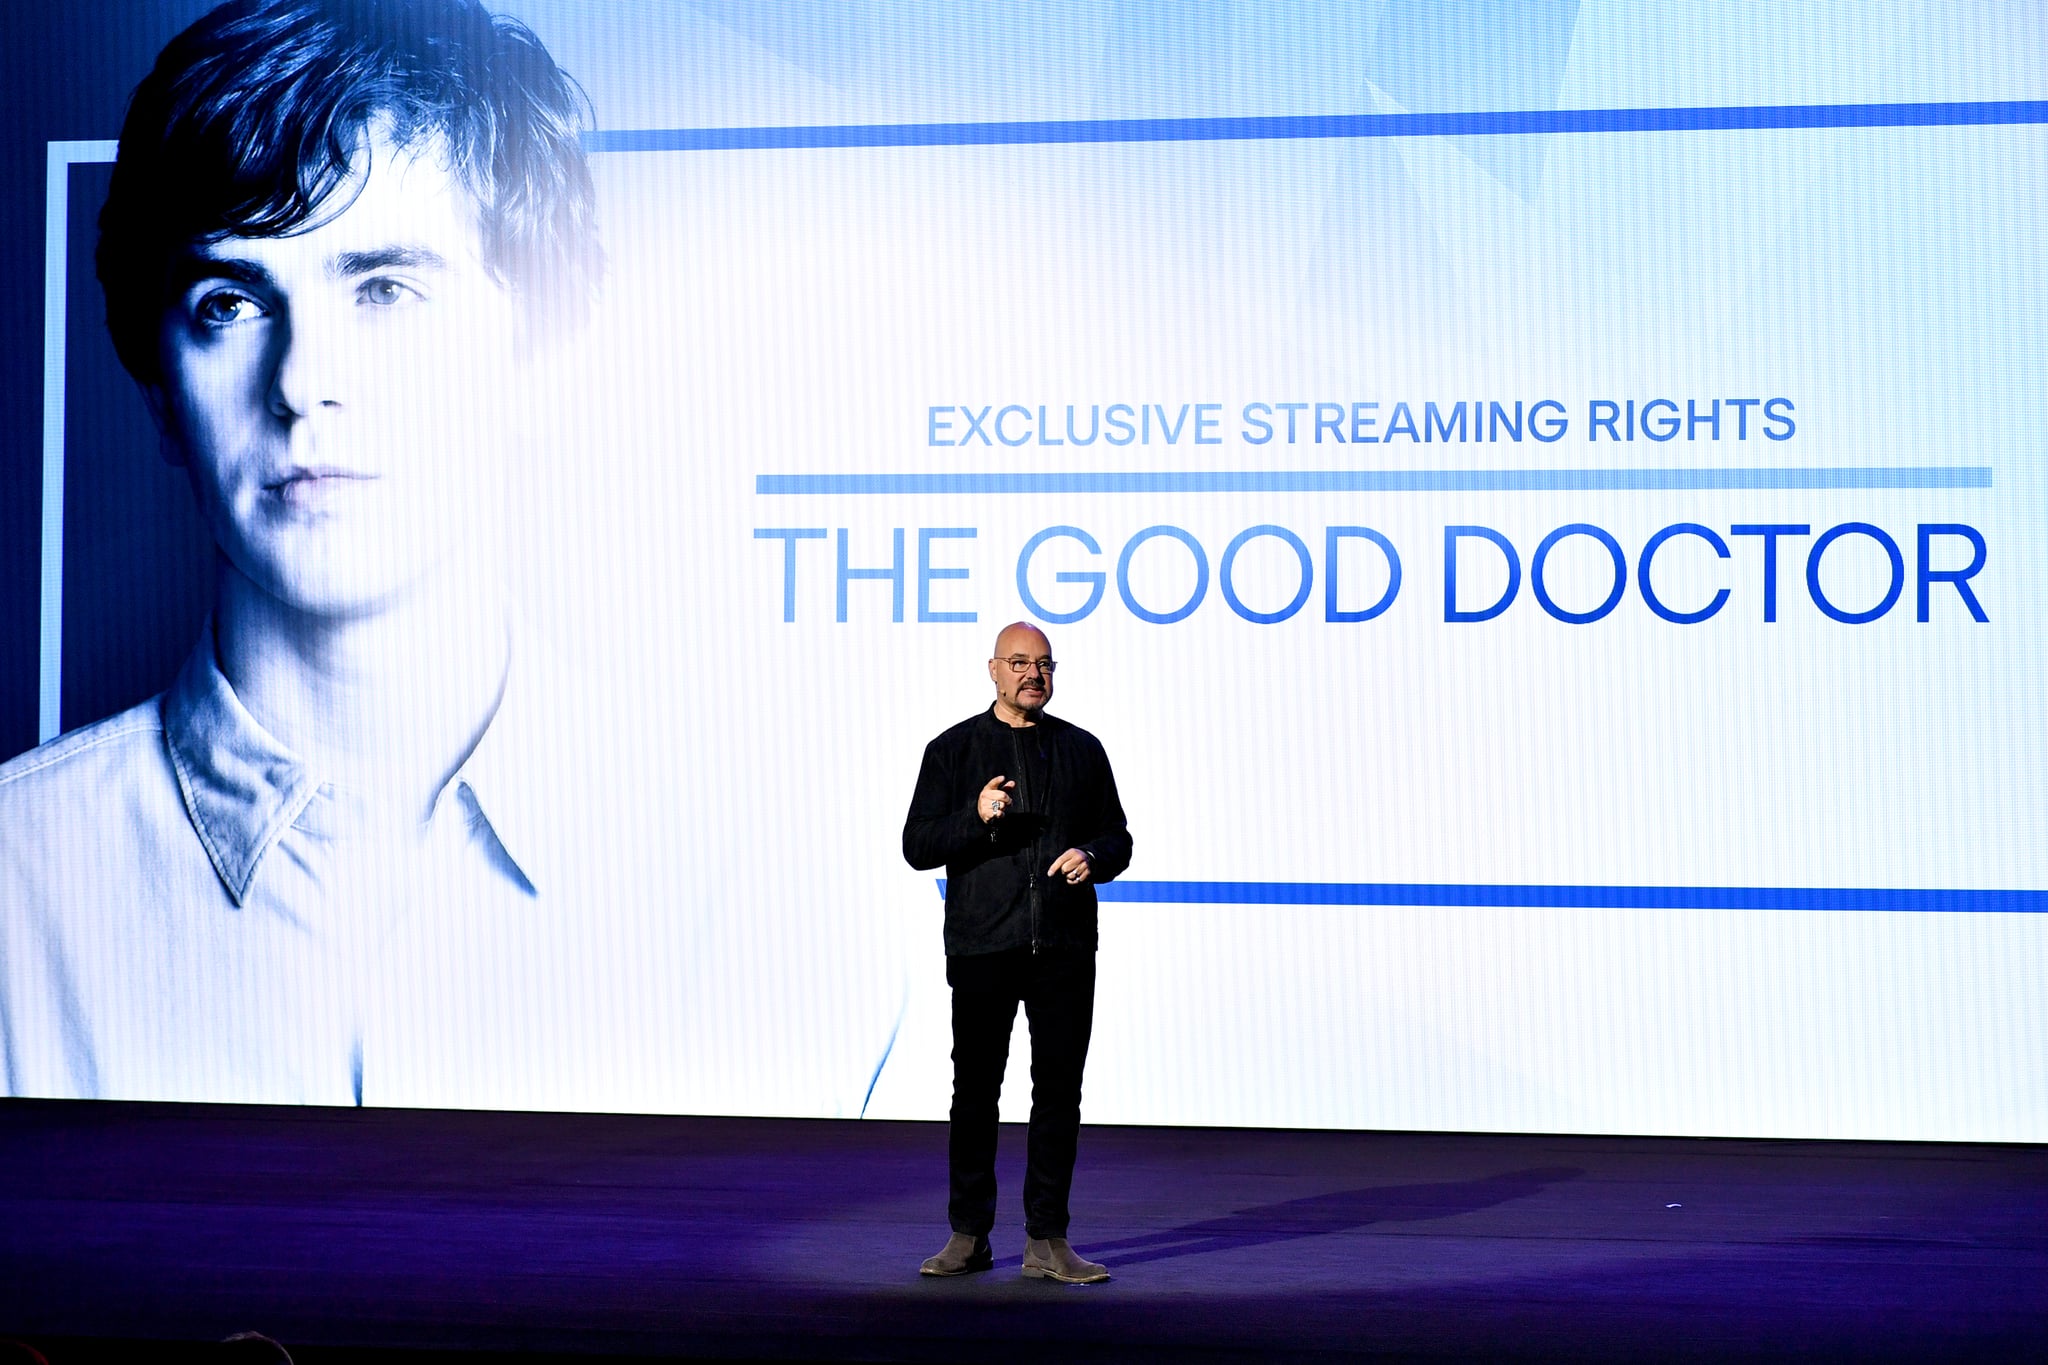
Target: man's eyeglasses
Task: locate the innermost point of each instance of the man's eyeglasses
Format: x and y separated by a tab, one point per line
1045	666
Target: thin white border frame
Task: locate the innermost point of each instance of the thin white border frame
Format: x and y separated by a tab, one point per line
56	290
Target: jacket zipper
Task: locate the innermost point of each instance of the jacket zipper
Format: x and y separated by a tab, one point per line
1034	910
1017	742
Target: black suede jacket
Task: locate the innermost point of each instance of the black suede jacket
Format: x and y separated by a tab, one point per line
998	895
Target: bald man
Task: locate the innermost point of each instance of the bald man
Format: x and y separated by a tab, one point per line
1021	809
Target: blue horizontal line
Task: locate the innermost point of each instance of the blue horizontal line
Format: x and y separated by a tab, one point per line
1708	118
1380	480
1575	897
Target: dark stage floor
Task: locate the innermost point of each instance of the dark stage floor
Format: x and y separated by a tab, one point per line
390	1231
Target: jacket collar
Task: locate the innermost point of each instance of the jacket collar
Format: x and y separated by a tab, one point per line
1046	721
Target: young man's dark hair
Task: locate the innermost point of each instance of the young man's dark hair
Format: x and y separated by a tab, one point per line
252	118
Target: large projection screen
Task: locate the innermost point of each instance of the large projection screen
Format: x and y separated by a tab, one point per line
1543	504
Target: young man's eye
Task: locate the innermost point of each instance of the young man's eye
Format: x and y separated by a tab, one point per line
383	293
223	308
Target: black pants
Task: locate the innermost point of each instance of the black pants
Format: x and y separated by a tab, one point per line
1058	993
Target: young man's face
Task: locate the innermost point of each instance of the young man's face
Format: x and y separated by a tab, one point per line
341	396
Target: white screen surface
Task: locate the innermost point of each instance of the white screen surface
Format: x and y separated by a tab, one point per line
1620	874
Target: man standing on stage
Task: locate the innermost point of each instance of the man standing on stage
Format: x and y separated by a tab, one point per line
1022	810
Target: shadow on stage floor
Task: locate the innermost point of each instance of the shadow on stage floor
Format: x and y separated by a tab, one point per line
392	1235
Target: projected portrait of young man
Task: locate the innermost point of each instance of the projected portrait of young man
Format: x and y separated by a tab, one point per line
317	868
1021	809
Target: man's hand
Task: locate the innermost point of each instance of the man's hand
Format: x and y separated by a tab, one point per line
1073	865
994	799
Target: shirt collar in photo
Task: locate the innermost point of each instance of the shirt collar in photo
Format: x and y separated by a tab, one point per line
243	788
